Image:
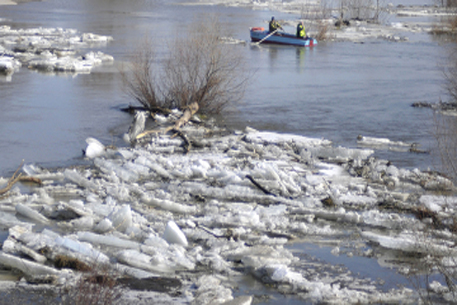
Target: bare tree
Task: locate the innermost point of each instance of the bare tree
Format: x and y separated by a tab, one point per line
445	133
450	75
198	68
140	77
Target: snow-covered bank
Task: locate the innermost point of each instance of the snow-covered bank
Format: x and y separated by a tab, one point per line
50	50
226	209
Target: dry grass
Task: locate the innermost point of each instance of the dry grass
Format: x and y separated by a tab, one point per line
98	286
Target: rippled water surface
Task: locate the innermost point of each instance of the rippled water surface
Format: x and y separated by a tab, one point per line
335	90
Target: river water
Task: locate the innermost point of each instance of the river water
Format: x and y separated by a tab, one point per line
337	90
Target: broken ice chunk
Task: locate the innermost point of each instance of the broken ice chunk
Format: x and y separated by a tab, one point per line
122	218
174	235
94	148
26	266
30	213
140	260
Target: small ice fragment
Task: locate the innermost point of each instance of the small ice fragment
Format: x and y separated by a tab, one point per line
174	235
156	242
137	126
94	148
122	218
80	180
104	226
241	300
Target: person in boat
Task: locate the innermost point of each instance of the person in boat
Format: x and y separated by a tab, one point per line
301	32
274	25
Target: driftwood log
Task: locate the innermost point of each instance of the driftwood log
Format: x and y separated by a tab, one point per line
188	112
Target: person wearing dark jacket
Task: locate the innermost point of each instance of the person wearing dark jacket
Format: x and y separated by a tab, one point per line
274	25
301	33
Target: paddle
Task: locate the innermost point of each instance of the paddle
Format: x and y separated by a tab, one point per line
259	42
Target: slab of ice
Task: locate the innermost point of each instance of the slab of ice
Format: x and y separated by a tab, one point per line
174	235
210	290
28	212
358	200
12	247
122	218
137	127
380	142
103	226
168	205
8	64
411	242
339	153
94	148
26	266
112	167
276	138
107	240
438	203
76	177
82	248
8	220
142	261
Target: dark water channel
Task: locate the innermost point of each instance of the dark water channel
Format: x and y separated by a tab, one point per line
335	90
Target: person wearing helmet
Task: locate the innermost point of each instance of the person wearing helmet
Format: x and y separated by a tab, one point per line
274	25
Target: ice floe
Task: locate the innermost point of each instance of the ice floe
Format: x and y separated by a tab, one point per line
50	50
228	207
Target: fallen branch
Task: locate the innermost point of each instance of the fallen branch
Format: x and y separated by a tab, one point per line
187	143
259	186
18	177
188	112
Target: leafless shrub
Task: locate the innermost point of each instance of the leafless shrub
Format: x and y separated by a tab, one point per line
446	3
433	268
445	134
140	77
370	10
315	18
322	30
448	23
445	121
450	75
197	68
